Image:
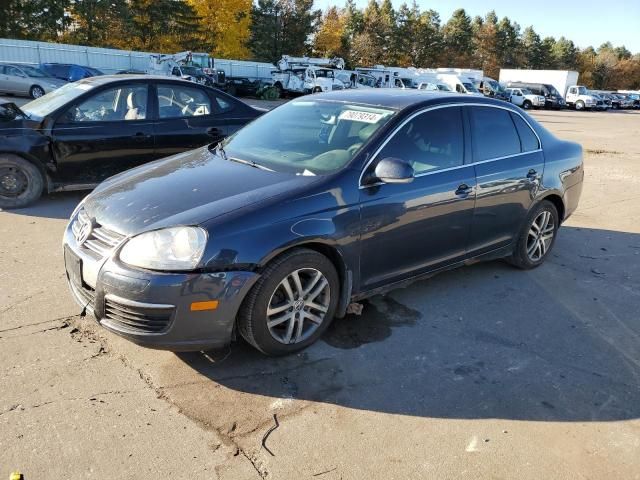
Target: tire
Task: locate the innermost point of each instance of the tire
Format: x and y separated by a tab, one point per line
36	91
579	105
232	90
278	87
317	90
522	256
526	105
21	182
269	292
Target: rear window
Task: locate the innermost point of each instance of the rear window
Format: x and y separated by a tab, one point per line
528	139
494	133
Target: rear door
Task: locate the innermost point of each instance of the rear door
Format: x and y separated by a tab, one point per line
508	164
106	133
188	117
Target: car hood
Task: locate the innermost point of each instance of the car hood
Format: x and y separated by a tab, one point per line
186	189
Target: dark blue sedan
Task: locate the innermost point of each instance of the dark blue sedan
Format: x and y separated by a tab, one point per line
324	201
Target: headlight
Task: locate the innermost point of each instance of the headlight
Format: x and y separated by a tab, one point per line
176	248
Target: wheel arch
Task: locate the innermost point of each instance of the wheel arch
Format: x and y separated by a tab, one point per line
335	256
557	202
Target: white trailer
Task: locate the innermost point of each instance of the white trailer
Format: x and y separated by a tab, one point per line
561	80
389	77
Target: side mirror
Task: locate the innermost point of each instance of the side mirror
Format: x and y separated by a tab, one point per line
394	170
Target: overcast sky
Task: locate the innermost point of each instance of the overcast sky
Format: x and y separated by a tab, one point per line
583	21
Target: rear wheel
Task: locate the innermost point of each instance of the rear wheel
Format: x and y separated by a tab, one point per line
317	90
21	182
292	303
36	91
537	236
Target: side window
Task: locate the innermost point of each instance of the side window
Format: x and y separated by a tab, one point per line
459	88
175	71
528	139
223	105
493	132
177	101
13	71
431	141
124	102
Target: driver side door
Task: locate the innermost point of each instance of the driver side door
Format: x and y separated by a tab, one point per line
411	228
106	133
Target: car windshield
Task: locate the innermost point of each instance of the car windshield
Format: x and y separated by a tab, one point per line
46	104
33	71
324	73
470	88
307	137
443	87
526	91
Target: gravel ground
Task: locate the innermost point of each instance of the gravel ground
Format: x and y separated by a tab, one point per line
483	372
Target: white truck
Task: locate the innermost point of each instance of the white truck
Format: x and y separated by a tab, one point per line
552	84
388	77
307	75
580	98
525	98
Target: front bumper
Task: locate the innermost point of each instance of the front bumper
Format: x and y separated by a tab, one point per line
154	309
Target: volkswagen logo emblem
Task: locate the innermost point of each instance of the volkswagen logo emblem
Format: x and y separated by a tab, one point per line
84	231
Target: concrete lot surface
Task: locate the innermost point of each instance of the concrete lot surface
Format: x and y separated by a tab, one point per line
483	372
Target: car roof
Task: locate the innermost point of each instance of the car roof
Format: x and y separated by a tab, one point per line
122	77
400	99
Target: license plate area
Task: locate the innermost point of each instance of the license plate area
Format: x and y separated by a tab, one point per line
73	265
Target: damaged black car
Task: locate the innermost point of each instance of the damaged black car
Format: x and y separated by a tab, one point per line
84	132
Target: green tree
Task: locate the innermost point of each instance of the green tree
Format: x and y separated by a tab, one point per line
94	22
487	45
458	39
509	46
564	54
534	55
163	25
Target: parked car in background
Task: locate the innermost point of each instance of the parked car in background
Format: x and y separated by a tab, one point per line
602	102
26	80
553	98
86	131
69	72
525	98
321	202
192	74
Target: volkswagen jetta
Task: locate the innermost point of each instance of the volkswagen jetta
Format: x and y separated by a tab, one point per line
321	202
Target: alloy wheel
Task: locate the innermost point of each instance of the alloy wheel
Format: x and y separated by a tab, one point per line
540	236
37	92
298	306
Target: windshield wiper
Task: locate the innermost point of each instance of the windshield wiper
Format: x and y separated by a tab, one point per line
251	163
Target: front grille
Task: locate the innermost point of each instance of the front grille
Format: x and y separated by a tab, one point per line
101	241
135	316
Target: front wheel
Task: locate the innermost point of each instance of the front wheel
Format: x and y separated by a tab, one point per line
292	303
317	90
526	105
36	91
579	105
21	182
537	236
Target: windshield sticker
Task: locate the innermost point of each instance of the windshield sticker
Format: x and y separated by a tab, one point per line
357	116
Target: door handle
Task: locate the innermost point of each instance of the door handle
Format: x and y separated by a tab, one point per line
139	136
463	190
